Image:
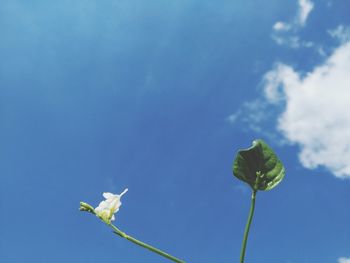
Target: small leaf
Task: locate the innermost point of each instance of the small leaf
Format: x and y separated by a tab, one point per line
258	166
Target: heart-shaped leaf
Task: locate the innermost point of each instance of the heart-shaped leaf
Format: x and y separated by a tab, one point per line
258	166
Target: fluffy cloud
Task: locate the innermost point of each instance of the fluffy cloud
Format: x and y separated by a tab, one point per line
285	33
317	110
344	260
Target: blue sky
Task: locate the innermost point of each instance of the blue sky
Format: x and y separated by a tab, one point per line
157	96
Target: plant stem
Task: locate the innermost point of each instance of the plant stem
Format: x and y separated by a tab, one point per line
247	227
138	242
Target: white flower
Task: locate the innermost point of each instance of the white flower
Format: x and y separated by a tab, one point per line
108	207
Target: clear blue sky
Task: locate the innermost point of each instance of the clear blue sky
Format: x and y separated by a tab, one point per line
157	96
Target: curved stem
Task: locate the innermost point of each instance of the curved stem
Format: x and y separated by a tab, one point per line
149	247
247	227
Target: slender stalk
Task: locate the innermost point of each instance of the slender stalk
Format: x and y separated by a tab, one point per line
88	208
142	244
247	227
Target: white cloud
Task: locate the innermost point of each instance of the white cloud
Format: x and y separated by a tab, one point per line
342	33
254	116
276	80
285	33
317	106
280	26
320	50
305	7
344	260
291	41
234	117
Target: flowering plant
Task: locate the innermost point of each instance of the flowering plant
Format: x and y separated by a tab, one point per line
258	166
106	210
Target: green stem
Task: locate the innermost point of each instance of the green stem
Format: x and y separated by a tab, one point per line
247	227
138	242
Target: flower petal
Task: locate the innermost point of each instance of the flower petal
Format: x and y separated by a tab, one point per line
108	195
126	189
108	207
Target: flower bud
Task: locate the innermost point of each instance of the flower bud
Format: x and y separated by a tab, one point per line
86	207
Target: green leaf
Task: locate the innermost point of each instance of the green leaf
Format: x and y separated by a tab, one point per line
258	166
